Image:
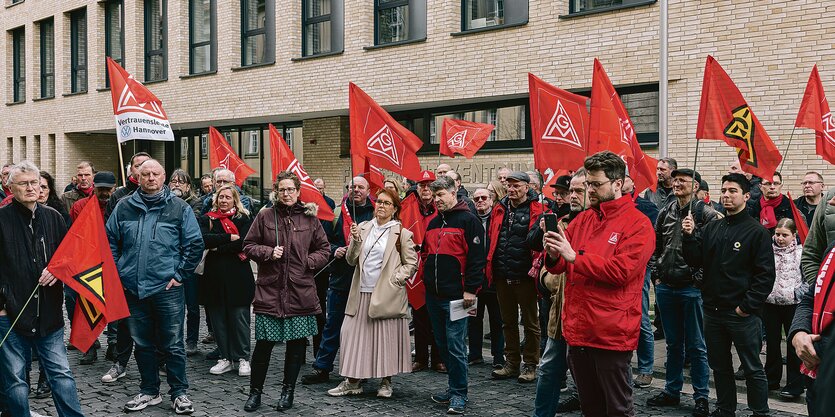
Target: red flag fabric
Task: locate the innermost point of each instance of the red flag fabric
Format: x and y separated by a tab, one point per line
611	129
222	155
138	112
559	125
283	159
463	137
83	262
725	115
799	221
814	114
411	218
380	139
415	290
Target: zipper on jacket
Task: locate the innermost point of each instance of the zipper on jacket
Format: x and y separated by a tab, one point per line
438	252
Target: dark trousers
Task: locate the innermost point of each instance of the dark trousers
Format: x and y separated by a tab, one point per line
487	301
321	319
776	320
544	318
723	328
604	381
424	337
513	299
231	331
293	361
192	311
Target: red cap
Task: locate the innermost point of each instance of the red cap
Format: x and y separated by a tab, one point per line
427	176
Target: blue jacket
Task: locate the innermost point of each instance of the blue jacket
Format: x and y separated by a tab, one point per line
152	245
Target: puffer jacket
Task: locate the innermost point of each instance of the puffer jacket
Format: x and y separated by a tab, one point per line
285	286
788	283
452	256
510	256
669	266
821	235
27	242
152	245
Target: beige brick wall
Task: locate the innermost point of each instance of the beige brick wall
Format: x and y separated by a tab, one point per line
768	47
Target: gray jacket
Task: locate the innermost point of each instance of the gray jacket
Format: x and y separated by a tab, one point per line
821	235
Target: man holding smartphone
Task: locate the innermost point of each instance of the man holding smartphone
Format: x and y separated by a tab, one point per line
604	253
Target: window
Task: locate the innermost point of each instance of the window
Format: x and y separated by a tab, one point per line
114	34
47	52
257	32
18	65
584	6
155	40
397	21
202	37
253	142
483	13
509	122
78	51
316	36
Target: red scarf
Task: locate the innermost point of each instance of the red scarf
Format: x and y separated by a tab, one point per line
133	180
824	306
228	226
767	218
88	192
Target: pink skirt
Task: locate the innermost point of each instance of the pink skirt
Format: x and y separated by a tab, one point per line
373	348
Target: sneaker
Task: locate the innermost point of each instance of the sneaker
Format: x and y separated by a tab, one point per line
316	376
506	372
442	398
663	399
141	401
385	390
223	366
346	388
34	413
90	357
785	395
569	404
208	340
528	374
702	409
642	381
457	405
719	413
191	349
243	368
182	405
116	371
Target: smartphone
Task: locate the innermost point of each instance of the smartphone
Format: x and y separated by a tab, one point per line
551	222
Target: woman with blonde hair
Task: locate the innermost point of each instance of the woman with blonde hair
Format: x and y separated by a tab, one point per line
394	186
375	334
497	190
227	285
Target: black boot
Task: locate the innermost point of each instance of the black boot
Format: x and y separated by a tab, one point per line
254	400
285	402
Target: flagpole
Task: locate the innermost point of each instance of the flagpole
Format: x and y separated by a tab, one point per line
786	152
693	184
121	164
11	327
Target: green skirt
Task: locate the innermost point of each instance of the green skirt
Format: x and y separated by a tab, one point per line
283	329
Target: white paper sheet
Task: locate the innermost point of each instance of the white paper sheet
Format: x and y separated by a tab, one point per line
458	312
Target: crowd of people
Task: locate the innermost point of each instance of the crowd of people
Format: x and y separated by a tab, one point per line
572	262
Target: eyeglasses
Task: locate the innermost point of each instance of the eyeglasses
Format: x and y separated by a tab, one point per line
286	190
805	183
384	203
596	184
27	184
480	198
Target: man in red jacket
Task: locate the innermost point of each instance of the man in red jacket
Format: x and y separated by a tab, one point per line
604	253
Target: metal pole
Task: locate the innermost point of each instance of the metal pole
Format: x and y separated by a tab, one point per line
662	80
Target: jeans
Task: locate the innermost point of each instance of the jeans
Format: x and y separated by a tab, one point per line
646	341
449	338
192	311
156	324
550	375
475	329
337	300
683	323
52	355
723	328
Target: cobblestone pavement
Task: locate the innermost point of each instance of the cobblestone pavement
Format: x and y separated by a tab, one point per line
225	395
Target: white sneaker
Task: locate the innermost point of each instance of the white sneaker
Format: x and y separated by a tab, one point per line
141	401
345	388
223	366
244	368
34	413
116	371
385	389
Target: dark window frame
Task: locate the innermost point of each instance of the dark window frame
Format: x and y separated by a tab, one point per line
647	140
76	17
163	52
108	43
626	4
212	42
464	27
44	53
380	7
268	31
19	66
308	22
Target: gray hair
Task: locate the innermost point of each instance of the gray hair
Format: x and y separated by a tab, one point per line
671	162
579	173
454	175
443	183
225	172
22	168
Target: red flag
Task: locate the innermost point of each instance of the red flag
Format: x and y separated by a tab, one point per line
799	221
415	290
83	262
138	112
611	129
463	137
724	115
814	114
411	218
380	139
559	124
283	159
222	155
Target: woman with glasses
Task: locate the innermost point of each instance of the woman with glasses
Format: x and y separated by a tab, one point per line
289	245
49	197
375	334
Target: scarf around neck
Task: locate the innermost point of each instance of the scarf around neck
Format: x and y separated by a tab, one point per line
229	227
767	217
